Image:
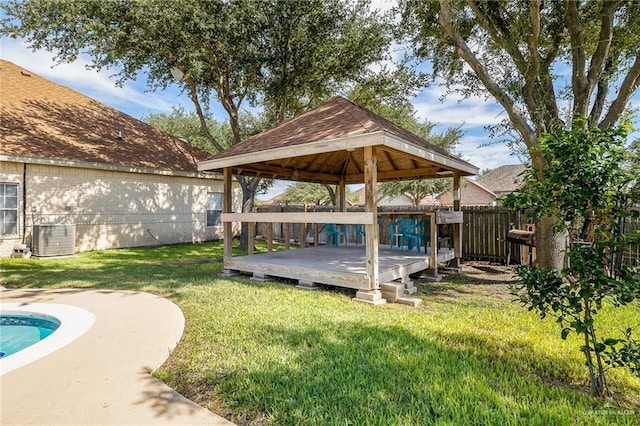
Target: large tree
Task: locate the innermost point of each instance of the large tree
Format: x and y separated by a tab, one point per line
534	58
284	55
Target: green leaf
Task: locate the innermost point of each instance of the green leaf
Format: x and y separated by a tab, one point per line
586	348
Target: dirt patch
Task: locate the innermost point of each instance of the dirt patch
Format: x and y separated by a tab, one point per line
476	278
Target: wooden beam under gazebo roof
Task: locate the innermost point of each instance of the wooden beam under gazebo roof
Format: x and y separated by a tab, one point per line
340	143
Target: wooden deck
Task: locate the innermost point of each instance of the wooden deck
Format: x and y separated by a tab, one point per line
338	266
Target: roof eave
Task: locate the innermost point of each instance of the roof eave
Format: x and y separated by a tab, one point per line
319	147
450	162
46	161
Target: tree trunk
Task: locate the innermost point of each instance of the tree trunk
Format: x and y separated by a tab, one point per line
550	246
249	186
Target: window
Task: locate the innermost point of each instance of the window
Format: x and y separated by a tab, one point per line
8	209
214	208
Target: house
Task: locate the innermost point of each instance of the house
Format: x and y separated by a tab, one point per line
487	189
66	159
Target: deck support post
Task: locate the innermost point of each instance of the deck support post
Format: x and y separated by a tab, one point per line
307	285
260	277
433	261
251	230
373	295
303	231
342	195
286	236
269	237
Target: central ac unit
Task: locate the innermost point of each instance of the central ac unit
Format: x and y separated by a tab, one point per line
54	239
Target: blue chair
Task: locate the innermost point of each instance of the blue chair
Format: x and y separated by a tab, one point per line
395	231
413	233
334	231
359	232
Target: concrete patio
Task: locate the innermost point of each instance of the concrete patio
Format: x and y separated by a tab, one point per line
103	376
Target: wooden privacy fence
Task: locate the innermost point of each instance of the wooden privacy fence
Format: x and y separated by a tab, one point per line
631	255
484	235
484	231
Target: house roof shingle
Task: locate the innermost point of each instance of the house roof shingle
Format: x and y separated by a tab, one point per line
504	179
42	119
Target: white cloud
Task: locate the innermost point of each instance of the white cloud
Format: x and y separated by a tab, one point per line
455	110
475	149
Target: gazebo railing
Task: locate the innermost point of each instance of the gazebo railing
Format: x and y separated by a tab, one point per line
354	218
315	218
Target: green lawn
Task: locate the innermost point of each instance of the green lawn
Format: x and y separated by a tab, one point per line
268	353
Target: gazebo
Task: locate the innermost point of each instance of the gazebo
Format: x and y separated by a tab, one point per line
339	143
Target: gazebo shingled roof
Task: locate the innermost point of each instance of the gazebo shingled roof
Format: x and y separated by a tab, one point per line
326	145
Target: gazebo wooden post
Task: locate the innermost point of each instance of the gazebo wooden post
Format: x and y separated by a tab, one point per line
342	206
227	203
342	195
457	230
373	295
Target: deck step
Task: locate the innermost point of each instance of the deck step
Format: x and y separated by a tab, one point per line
413	301
391	291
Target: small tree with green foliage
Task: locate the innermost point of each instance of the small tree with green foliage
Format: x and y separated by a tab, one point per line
313	193
589	187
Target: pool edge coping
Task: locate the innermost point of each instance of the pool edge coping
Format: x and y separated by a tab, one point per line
74	322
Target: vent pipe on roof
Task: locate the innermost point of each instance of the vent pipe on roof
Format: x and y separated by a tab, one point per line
120	138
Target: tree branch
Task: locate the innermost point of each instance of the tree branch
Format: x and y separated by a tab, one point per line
462	50
531	74
578	58
507	43
604	43
629	85
546	79
601	93
204	129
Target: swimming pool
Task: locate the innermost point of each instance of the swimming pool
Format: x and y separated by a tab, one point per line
35	330
21	330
